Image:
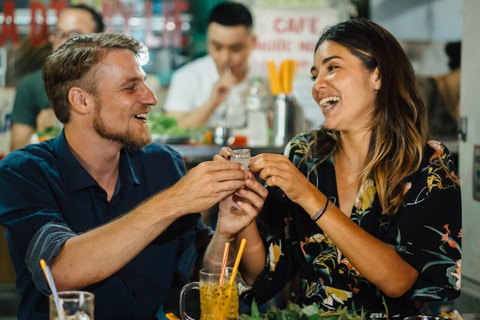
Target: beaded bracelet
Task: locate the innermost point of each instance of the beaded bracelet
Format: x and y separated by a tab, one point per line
324	209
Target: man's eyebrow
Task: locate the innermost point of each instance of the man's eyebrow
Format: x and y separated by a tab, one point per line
232	45
330	58
131	80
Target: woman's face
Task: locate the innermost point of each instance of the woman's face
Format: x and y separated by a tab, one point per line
343	88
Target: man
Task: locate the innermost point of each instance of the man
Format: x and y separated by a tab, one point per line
107	210
210	90
31	110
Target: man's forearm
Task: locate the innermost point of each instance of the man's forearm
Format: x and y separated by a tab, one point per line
97	254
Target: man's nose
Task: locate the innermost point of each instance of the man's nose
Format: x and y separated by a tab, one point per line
225	58
148	97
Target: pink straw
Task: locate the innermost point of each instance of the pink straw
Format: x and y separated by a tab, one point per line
224	263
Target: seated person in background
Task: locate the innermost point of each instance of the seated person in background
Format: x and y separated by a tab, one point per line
442	95
200	91
108	210
31	110
365	211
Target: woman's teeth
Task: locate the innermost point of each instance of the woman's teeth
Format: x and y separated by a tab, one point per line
328	102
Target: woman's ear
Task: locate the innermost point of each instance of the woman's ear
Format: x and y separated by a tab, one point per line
376	81
81	101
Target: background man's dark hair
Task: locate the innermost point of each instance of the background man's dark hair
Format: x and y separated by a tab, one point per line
231	14
99	25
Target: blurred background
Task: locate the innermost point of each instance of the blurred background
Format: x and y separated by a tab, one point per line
431	32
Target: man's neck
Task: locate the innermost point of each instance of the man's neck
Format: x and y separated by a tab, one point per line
99	156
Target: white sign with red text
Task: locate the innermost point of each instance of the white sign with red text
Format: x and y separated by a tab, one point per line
292	33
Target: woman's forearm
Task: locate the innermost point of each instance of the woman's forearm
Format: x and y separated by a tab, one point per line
253	259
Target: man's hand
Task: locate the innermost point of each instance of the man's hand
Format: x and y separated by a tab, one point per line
207	184
239	210
221	88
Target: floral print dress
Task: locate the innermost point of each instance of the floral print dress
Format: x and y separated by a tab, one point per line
425	232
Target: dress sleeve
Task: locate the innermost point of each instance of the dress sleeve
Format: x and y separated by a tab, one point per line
35	227
427	231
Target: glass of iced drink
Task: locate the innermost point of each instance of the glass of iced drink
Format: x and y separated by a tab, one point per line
218	298
241	156
77	305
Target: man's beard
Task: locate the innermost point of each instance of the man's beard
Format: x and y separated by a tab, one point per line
127	138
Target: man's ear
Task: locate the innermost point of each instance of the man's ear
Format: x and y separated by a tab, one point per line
81	101
254	40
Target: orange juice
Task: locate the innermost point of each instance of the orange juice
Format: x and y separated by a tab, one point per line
216	300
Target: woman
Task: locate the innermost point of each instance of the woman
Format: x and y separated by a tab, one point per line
364	212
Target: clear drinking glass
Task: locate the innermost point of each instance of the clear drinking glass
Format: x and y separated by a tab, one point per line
218	299
77	305
241	156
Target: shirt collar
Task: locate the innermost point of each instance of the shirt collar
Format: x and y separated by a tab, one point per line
76	177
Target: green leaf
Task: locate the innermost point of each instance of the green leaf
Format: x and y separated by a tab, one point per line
255	312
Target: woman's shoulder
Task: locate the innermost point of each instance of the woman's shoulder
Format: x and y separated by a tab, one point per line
437	169
437	155
311	146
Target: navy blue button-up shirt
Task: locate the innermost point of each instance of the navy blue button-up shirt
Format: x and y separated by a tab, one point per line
46	197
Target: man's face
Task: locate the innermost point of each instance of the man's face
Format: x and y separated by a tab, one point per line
71	23
230	47
122	100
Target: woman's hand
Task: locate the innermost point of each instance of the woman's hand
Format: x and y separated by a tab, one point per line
279	171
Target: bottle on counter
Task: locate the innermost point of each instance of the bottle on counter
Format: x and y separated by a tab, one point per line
257	102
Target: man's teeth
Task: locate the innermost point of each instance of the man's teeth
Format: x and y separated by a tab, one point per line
328	101
141	116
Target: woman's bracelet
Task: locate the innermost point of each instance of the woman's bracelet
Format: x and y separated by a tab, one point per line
324	209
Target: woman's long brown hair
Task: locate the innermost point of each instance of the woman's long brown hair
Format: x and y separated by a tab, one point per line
399	122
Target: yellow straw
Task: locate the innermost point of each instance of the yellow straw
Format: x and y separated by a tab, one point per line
224	262
44	267
237	261
275	82
171	316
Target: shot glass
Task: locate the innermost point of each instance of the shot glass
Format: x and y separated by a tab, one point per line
241	156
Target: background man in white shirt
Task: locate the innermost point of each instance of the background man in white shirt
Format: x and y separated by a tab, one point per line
209	90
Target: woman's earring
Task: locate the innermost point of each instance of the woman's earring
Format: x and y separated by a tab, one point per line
377	87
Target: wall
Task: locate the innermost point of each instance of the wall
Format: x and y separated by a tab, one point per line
435	20
470	109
